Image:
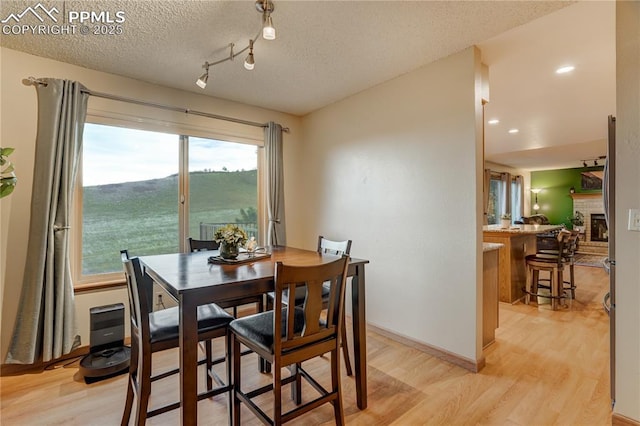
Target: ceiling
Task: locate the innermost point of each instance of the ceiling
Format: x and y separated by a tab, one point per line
328	50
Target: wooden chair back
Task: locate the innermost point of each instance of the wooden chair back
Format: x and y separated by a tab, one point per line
563	237
201	245
139	305
333	247
287	278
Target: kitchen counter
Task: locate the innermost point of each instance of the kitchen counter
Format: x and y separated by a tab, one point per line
518	242
521	229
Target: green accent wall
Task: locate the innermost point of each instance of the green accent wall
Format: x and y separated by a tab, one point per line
555	200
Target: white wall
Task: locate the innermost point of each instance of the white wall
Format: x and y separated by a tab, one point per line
18	114
397	169
627	197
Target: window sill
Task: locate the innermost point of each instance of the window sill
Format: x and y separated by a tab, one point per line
103	285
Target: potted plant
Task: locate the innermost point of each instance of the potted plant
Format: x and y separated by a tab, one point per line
230	237
505	220
8	179
577	220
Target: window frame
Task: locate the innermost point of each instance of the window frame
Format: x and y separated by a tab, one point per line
183	131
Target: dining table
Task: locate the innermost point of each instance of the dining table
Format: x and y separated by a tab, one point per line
192	280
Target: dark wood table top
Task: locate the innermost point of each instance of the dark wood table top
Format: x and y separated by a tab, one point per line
182	272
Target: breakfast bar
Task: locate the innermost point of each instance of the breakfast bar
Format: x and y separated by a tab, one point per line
518	241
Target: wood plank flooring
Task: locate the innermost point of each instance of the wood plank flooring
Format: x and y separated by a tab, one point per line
545	368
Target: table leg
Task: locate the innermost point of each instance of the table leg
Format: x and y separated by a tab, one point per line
359	336
188	361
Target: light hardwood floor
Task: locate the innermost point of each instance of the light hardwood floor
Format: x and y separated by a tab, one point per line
545	368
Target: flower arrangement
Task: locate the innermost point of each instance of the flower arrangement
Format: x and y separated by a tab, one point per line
231	235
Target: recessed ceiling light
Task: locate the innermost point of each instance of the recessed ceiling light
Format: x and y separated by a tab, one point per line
565	69
513	130
494	121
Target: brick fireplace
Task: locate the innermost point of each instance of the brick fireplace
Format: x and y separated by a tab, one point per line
595	238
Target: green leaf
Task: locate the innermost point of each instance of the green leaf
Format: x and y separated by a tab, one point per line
6	189
6	151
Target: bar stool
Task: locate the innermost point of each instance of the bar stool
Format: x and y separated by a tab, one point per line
547	262
568	257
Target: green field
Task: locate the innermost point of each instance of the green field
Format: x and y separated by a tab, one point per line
143	216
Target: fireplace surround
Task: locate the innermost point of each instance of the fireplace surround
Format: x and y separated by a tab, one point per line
595	237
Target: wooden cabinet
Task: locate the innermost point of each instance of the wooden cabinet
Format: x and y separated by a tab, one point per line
490	310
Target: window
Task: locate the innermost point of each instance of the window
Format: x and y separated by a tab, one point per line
139	192
502	201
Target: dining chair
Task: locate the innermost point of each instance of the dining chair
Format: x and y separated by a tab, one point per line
289	334
326	246
157	331
205	245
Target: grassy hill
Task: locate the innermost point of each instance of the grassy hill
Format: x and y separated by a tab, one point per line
143	216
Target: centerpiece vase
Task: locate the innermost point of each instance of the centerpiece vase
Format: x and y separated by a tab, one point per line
228	251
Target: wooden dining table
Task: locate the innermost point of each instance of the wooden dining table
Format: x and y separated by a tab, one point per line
192	281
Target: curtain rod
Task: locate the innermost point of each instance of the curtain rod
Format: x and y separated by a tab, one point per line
33	81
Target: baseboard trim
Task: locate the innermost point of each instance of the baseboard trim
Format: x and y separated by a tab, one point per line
468	364
39	366
620	420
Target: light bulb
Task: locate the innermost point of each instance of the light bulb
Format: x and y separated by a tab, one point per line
536	206
249	62
268	31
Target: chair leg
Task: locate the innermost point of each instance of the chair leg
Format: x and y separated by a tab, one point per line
128	404
133	367
527	287
277	395
572	280
296	387
209	357
228	361
345	347
338	410
554	289
144	389
236	355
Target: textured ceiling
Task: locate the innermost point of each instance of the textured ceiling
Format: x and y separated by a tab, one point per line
325	50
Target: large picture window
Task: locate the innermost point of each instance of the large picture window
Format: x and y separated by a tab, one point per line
147	191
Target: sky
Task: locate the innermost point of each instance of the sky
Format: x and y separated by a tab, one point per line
116	154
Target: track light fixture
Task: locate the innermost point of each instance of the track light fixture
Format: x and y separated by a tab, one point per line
265	7
585	163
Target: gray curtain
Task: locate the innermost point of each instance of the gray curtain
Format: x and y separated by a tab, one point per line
276	234
45	326
519	198
485	194
506	193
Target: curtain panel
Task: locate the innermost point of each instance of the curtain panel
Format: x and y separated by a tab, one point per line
506	193
46	326
485	194
276	231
